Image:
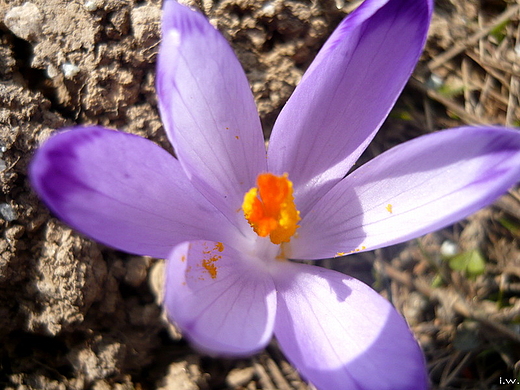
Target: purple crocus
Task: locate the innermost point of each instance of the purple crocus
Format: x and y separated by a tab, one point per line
228	215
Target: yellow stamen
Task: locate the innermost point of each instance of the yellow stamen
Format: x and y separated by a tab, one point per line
269	208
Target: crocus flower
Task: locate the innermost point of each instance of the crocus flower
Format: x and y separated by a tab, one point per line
227	214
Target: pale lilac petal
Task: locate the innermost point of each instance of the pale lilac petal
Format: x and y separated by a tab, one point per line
346	94
413	189
341	334
124	191
208	109
223	302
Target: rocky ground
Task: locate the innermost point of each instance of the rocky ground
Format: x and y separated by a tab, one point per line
77	315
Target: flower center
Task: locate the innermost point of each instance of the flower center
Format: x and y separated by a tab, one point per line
269	208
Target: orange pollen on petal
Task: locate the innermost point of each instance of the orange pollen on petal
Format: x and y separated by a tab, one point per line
269	208
219	246
209	265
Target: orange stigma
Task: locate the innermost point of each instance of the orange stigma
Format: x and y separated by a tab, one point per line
269	208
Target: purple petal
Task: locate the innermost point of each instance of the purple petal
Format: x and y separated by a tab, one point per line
413	189
341	334
346	94
220	300
208	109
124	191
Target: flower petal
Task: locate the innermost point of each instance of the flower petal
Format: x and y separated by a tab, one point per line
346	94
413	189
341	334
208	109
221	301
124	191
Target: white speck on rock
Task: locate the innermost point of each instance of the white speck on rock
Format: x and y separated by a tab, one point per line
69	70
91	5
269	9
24	21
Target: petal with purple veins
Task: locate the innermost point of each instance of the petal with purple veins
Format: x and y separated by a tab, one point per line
208	109
224	303
124	191
346	94
410	190
341	334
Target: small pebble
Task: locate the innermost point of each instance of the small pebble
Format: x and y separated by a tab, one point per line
24	21
449	249
7	212
52	71
137	270
434	82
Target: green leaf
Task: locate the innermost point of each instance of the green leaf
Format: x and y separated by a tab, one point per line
437	281
512	226
499	31
451	92
401	114
472	263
